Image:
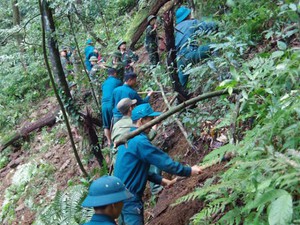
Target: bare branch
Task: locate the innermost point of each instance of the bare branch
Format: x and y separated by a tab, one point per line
173	111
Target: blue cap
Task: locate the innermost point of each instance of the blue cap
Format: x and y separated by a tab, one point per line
182	13
89	41
143	110
106	190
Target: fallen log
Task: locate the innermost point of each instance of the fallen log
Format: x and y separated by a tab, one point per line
48	120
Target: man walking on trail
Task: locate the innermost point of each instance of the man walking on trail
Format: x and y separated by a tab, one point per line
188	50
151	40
106	196
127	91
108	87
129	58
133	162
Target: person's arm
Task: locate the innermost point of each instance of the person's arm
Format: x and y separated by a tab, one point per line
155	178
134	57
134	95
157	157
168	183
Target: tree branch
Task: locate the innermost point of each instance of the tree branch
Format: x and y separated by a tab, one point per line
173	111
44	19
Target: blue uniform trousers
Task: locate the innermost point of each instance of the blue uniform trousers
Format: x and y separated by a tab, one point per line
132	212
187	56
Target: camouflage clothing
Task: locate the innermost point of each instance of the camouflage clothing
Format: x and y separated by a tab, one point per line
128	57
75	60
94	73
119	66
151	44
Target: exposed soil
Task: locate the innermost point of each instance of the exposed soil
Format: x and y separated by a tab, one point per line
61	156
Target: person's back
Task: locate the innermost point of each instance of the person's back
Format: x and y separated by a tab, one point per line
126	91
108	86
188	49
184	31
88	52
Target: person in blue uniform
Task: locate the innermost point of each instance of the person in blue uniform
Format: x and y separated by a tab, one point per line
89	52
188	49
108	87
106	196
133	162
127	91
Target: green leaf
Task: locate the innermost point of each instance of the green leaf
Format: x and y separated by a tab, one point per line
265	198
281	45
277	54
281	210
230	90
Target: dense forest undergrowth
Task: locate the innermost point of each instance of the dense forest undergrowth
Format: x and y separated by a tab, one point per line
247	141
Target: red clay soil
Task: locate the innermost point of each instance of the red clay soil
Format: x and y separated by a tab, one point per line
59	155
163	213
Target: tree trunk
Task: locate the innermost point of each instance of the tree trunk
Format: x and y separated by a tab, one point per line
171	59
16	22
142	26
93	138
54	52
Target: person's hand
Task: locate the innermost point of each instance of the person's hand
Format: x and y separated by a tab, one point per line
131	64
154	127
168	183
196	170
154	26
150	93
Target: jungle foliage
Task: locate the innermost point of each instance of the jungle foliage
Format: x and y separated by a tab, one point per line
257	49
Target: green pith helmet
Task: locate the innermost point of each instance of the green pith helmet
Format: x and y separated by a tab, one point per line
117	54
93	58
119	43
106	190
151	17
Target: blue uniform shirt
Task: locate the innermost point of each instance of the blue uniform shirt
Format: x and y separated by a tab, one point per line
88	52
186	30
101	219
125	91
133	162
107	89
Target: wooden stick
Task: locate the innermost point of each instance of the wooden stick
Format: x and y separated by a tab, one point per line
146	92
